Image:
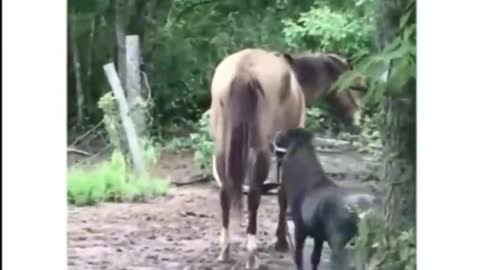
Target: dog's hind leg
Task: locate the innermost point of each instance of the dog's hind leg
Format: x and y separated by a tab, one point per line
299	244
339	259
339	255
282	229
316	253
260	173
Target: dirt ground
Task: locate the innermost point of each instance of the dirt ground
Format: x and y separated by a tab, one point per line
178	231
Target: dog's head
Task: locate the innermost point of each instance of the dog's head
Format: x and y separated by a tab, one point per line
288	140
362	204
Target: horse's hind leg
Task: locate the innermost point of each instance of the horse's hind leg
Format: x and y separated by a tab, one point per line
215	171
260	173
225	233
225	205
282	244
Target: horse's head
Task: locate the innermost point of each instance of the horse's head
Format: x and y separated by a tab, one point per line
287	140
317	73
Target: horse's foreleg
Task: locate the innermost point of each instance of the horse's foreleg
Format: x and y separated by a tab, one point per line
282	244
260	174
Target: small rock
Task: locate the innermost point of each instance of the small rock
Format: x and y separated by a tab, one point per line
152	257
190	213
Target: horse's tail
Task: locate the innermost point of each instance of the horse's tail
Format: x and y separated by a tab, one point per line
242	132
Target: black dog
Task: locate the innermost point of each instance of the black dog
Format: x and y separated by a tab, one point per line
320	208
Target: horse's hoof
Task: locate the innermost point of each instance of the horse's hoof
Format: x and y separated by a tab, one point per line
223	258
224	255
252	263
282	246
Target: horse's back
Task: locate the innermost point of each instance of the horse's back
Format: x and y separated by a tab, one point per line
283	103
262	65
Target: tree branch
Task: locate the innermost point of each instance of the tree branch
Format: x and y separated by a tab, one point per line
78	151
191	7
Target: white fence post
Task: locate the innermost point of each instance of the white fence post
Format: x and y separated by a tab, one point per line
132	138
133	82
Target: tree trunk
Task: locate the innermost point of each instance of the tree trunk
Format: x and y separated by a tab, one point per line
119	20
91	46
399	166
398	132
138	20
78	72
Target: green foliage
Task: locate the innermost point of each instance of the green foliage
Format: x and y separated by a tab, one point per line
115	129
203	144
379	247
182	42
86	6
315	118
323	29
389	70
369	140
111	181
189	47
199	141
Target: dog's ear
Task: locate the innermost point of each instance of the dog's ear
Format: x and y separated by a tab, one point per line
300	138
288	58
340	59
303	135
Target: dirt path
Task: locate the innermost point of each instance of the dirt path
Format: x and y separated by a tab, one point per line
179	231
175	232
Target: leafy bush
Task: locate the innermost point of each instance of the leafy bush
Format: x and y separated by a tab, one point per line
315	118
379	247
203	144
110	181
324	29
389	70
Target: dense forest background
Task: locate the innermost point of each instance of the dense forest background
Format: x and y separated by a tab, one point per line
183	40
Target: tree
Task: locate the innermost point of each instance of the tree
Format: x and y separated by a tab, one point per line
399	125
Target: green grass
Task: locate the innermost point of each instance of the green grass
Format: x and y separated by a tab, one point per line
110	182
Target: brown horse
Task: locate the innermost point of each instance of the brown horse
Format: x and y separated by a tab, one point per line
254	94
317	73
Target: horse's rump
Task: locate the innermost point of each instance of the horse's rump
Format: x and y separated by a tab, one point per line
254	94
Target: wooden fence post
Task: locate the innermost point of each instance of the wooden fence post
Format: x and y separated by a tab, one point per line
132	138
133	82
